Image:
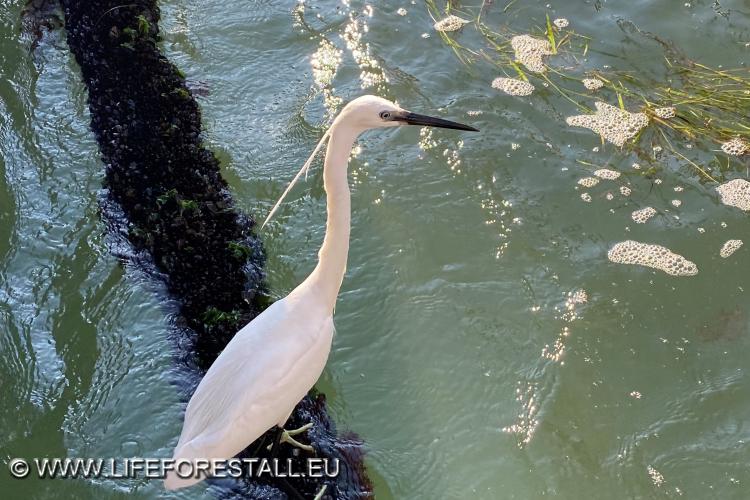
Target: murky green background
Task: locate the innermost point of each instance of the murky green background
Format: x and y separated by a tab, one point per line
456	358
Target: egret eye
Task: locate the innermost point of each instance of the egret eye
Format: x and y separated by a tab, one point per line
385	115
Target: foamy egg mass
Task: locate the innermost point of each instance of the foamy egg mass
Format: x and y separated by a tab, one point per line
513	86
653	256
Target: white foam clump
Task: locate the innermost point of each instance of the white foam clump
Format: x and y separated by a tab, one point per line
586	197
665	113
588	182
561	22
729	248
513	86
625	191
531	51
735	147
653	256
735	193
592	83
450	23
643	215
614	124
607	173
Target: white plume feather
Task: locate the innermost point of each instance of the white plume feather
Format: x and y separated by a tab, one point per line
305	168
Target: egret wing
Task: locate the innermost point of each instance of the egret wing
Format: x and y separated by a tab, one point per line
254	383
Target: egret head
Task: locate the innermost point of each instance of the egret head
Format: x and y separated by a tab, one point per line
365	113
369	111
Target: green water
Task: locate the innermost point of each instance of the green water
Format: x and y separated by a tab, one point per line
456	358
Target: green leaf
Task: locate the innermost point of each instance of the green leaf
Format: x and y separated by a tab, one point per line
551	35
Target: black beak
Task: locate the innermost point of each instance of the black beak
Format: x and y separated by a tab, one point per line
430	121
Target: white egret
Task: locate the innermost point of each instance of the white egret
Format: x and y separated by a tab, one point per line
271	363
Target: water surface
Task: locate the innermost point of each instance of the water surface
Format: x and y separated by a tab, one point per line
460	358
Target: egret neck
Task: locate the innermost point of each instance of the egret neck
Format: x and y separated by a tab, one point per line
329	273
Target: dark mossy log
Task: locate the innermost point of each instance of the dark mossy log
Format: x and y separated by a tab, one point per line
178	211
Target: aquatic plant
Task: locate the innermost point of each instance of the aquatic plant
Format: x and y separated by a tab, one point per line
214	316
240	251
692	102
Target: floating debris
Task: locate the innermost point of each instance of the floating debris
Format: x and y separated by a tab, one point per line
643	215
665	113
513	86
514	146
676	203
735	147
636	395
474	112
531	51
586	197
592	83
614	124
401	12
730	247
653	256
450	23
561	22
735	193
610	196
606	173
588	182
678	189
625	191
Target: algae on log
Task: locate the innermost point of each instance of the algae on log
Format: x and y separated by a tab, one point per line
178	210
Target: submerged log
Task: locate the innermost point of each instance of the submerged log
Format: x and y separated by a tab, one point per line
177	211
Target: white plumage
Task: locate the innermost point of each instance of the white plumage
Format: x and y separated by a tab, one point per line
255	383
271	363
